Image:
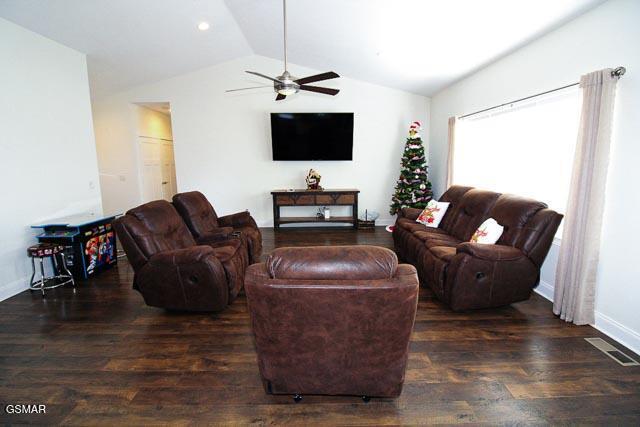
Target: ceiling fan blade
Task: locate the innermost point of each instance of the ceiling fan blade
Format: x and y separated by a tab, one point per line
325	90
247	88
280	97
318	77
263	76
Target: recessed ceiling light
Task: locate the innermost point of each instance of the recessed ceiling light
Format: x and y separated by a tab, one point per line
203	26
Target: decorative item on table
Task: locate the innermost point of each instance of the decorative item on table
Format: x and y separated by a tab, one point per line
413	189
367	220
313	180
323	213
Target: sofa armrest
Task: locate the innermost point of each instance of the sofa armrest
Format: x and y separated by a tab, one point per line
218	235
490	252
484	276
184	279
179	257
410	213
240	219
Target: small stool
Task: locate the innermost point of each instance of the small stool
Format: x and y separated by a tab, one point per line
61	276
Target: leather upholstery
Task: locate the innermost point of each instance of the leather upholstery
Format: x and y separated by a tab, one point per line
472	210
323	326
206	226
332	262
171	270
197	213
468	275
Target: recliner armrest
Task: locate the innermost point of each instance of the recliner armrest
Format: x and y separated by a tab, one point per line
217	235
238	219
410	213
490	252
177	257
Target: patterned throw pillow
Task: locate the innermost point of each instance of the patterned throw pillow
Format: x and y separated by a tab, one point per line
488	233
433	213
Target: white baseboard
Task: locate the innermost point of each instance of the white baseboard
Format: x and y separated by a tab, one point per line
545	290
615	330
625	336
14	288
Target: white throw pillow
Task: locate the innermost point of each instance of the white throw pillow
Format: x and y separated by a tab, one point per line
488	233
433	213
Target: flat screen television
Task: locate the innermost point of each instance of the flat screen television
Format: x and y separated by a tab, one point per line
312	136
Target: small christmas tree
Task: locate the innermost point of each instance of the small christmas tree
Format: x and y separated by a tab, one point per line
413	189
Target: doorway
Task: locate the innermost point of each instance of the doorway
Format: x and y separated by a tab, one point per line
156	153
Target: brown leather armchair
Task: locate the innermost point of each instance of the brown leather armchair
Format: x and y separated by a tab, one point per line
332	320
468	275
171	270
204	223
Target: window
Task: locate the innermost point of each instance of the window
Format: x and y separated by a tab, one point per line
525	148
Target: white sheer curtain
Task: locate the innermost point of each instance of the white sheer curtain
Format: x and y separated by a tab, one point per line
525	148
451	150
574	293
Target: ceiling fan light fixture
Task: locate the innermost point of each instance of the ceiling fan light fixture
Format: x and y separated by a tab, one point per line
286	91
204	26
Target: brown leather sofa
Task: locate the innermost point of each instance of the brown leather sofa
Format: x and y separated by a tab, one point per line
171	270
332	320
471	275
204	223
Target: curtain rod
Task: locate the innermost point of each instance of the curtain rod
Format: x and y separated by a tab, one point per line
618	72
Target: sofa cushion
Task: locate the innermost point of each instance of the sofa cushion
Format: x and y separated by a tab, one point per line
410	225
513	213
452	196
158	228
445	253
473	209
225	250
197	212
443	241
429	233
432	239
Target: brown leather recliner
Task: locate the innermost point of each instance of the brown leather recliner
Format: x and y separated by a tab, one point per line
332	320
471	275
171	270
205	224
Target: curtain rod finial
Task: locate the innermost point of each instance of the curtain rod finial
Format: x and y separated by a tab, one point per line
618	72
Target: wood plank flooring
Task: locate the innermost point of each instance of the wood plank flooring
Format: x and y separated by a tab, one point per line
100	356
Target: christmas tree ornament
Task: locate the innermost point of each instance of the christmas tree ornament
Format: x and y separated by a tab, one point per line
412	189
414	130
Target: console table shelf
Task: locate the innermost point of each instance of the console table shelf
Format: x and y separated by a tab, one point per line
337	197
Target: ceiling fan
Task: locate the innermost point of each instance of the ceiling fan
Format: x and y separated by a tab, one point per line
286	84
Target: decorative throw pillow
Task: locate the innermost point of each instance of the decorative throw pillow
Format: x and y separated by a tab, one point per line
433	213
488	233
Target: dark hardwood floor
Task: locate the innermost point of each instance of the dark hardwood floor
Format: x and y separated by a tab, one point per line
100	356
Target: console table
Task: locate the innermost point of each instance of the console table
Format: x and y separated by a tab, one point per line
337	197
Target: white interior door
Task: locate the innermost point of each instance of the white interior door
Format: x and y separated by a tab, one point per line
158	169
168	170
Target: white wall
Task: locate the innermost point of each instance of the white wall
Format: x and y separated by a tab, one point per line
153	124
607	36
117	128
222	140
48	157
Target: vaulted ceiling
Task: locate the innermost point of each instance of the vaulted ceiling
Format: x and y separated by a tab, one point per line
419	46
